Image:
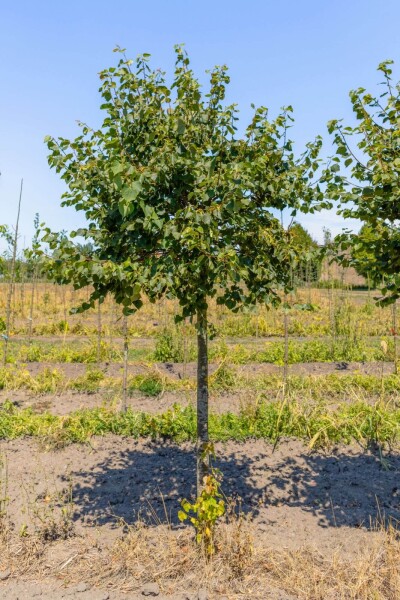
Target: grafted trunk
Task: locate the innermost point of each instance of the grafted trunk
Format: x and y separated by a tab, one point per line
203	460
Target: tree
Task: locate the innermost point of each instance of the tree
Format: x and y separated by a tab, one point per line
177	204
7	237
367	184
362	255
309	266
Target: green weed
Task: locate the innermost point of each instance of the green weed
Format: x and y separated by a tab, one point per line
310	421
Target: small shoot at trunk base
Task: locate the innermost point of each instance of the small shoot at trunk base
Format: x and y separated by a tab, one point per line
209	506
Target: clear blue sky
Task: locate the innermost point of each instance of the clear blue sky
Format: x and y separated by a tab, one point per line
307	53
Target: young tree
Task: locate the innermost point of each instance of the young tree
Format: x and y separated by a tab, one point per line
6	235
368	186
362	256
309	266
177	204
12	278
33	269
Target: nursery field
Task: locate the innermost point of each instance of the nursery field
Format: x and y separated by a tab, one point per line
97	432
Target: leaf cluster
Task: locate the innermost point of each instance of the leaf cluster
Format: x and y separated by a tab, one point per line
176	202
365	179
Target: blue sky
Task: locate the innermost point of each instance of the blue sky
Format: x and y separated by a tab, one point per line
307	53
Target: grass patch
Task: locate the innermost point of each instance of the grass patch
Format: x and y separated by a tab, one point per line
63	353
152	382
172	347
305	352
311	422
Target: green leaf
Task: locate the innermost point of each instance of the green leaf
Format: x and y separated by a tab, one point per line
117	167
130	193
181	126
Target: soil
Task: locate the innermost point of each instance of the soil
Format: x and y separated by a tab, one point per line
64	402
328	502
295	497
180	370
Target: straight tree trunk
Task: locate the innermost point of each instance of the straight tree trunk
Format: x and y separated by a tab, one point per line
99	333
31	306
286	347
12	280
125	373
394	329
185	348
203	459
22	290
111	323
64	301
332	319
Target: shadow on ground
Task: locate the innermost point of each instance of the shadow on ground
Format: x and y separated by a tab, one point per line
346	488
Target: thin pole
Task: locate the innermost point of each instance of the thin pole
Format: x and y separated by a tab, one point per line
125	373
394	322
12	279
99	333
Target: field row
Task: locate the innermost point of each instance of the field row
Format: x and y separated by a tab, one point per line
309	312
173	349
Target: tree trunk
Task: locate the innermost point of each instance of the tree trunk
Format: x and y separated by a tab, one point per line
286	348
12	280
394	328
125	374
99	333
203	460
32	301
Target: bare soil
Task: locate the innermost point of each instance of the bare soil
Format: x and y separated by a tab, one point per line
64	402
180	370
295	498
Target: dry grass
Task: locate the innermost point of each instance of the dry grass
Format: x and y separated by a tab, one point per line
52	304
241	569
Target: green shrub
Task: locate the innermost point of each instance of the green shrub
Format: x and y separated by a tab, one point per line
170	347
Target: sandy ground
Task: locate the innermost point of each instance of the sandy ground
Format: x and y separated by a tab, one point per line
332	501
64	402
179	370
323	494
294	497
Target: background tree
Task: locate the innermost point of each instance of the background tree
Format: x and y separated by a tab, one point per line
178	205
362	255
309	265
365	178
6	235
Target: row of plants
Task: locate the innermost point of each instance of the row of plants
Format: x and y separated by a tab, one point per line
152	382
313	422
171	347
323	316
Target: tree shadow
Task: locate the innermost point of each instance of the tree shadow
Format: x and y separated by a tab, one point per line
347	488
149	481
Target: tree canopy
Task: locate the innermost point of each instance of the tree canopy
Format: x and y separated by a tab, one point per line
176	203
366	179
